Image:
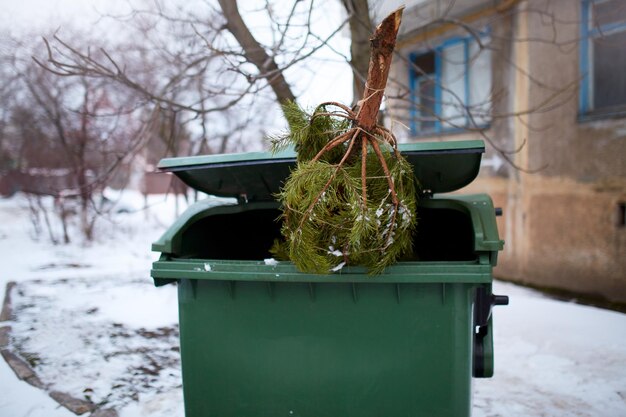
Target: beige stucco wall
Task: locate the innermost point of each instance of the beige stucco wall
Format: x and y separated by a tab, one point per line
585	151
561	234
560	223
571	238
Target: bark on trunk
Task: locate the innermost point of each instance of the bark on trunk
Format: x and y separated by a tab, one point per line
360	31
382	45
254	52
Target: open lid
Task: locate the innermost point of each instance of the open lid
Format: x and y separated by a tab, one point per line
439	166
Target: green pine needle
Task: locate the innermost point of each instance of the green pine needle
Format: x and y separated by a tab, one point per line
325	223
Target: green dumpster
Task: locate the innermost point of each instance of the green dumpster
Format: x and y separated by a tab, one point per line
259	338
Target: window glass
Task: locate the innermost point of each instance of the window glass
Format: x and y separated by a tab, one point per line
606	12
424	64
603	57
609	70
453	85
449	81
425	84
426	105
480	81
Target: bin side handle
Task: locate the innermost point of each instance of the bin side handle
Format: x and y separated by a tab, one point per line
483	334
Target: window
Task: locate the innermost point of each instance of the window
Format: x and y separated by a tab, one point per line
603	57
424	91
450	86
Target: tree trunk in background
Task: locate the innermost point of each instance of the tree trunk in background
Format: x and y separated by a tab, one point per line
254	52
360	31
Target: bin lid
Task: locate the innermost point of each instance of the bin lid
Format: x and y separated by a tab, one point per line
439	166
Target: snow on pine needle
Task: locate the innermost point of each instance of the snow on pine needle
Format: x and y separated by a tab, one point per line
351	199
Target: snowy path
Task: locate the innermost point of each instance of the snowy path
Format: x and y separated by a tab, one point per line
552	358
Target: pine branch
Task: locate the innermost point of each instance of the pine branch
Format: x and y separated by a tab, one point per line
352	197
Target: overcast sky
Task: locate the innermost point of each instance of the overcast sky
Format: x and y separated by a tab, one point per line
36	14
319	81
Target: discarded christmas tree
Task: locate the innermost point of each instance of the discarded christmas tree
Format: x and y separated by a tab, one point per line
351	199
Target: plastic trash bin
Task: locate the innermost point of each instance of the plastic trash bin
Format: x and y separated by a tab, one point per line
260	338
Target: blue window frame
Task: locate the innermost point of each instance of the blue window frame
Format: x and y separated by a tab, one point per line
603	58
450	86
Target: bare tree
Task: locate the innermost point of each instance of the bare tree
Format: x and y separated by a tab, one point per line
254	52
231	67
361	29
68	137
228	65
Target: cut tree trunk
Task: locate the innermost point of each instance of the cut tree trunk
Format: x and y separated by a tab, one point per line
382	44
372	222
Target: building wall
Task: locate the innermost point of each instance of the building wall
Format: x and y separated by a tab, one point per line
562	224
574	239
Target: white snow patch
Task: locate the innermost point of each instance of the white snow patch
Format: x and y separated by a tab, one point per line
270	261
115	344
207	267
552	358
158	404
338	267
20	399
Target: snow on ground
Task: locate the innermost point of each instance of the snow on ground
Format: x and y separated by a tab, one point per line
116	346
87	317
554	358
92	324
